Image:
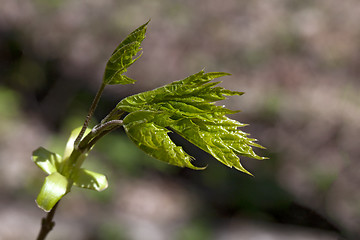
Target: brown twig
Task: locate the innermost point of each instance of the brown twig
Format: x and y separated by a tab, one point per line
47	223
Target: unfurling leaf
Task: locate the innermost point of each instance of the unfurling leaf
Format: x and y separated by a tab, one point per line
187	108
90	180
48	161
56	185
54	188
70	143
123	57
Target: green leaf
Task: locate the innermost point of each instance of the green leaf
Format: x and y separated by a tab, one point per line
187	107
57	185
217	140
123	57
194	89
48	161
144	130
54	188
70	143
90	180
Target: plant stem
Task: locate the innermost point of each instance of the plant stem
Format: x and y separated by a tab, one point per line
90	113
108	125
104	129
114	114
47	223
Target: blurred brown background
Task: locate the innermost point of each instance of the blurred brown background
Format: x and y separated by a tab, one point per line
297	61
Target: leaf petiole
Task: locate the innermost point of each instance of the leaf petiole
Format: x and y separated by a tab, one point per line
90	113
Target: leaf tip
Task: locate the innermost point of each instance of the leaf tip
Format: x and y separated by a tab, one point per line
42	207
198	168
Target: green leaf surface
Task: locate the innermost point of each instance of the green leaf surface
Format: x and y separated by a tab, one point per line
57	185
123	57
145	130
70	143
54	188
193	90
48	161
219	141
90	180
187	107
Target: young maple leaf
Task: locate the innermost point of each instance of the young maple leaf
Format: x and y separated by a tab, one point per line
187	108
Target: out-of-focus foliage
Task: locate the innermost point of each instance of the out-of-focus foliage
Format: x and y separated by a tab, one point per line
9	104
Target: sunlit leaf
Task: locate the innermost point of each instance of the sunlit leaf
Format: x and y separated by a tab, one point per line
187	107
123	57
213	138
145	130
48	161
70	143
56	185
54	188
90	180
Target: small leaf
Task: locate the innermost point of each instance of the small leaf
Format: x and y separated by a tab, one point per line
90	180
54	188
123	57
48	161
70	143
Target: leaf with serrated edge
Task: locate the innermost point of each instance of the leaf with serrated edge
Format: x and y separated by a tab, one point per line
214	142
48	161
192	86
123	57
90	180
143	129
187	108
54	188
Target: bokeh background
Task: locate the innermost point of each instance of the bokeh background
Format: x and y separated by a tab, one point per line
297	61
